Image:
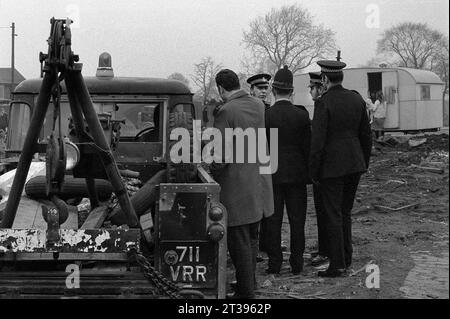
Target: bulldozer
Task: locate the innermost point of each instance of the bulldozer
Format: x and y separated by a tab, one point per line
92	205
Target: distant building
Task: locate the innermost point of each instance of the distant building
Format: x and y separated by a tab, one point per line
5	82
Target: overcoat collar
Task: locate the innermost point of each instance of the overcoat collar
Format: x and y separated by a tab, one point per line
237	95
280	102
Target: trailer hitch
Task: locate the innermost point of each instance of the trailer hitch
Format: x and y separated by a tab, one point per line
54	217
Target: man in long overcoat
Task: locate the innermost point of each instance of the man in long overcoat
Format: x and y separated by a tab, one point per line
245	192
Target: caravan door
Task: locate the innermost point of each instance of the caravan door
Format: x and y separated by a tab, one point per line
390	91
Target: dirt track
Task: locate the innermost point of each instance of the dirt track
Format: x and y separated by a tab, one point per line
409	245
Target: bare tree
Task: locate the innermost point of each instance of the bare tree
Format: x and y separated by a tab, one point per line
243	80
415	45
204	78
179	77
378	61
287	36
256	63
440	63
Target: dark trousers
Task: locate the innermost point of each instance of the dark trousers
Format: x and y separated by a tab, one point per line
294	196
321	220
243	247
262	235
338	195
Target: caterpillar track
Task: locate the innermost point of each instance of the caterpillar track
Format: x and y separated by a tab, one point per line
105	284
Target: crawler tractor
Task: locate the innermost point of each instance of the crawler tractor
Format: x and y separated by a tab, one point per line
92	204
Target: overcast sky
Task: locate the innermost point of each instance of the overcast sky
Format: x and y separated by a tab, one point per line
158	37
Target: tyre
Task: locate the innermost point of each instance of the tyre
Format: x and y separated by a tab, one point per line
72	188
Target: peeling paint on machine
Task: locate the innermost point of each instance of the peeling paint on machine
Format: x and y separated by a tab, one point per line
75	241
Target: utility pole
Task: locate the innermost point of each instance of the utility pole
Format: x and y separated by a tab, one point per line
13	35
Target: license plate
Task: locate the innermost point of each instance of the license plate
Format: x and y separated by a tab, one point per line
194	264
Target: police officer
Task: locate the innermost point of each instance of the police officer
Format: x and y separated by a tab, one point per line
340	152
315	85
321	256
259	87
289	181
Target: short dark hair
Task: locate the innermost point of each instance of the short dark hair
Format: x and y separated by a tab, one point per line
336	77
282	91
228	80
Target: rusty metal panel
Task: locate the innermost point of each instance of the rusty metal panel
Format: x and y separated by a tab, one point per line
47	256
71	241
188	256
183	216
211	188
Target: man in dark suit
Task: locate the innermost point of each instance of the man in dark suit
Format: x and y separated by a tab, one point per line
340	152
246	194
316	90
289	181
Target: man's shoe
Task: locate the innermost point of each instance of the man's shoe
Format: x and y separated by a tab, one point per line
271	271
348	263
319	260
332	273
296	271
231	296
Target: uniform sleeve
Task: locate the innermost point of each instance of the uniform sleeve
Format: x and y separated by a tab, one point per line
318	138
306	147
365	136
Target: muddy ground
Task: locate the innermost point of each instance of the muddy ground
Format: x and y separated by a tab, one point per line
400	224
409	245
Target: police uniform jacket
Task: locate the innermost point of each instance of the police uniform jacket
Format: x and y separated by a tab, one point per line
246	194
294	137
341	137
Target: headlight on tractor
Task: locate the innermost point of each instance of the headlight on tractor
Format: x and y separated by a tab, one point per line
216	232
216	212
72	155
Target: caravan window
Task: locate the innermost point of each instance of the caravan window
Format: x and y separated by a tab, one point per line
425	93
390	95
